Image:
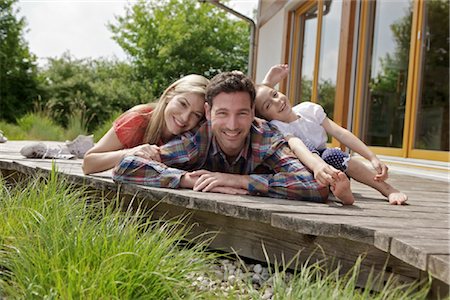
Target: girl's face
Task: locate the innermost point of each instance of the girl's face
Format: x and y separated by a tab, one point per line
273	105
182	113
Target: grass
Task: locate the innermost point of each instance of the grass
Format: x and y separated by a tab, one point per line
56	245
56	242
38	126
316	282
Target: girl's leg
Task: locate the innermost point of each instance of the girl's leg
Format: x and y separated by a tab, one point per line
362	173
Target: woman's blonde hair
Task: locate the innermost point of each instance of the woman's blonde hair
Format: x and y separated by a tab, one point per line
192	83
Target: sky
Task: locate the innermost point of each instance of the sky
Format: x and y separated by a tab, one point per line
80	26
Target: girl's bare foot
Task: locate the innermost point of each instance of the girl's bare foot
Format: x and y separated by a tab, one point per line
341	189
397	198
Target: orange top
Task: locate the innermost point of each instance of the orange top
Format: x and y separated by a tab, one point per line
130	127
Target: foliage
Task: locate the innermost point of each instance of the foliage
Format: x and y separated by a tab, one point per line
314	281
167	39
18	73
102	129
40	127
57	243
12	131
327	92
91	88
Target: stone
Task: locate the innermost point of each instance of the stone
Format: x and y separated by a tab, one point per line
80	145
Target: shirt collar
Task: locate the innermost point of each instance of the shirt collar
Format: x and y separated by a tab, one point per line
244	152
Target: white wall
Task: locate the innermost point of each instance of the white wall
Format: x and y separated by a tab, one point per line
271	39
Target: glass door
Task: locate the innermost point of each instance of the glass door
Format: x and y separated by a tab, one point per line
315	53
430	134
384	101
402	90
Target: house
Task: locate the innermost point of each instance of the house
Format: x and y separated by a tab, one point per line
379	68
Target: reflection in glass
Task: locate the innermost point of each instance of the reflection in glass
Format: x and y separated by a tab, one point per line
385	104
308	53
432	118
329	53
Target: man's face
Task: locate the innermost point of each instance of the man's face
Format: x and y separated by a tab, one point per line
231	117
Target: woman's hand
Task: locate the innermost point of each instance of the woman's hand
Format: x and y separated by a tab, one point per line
145	151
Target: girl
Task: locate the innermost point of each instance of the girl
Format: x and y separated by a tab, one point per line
141	129
308	122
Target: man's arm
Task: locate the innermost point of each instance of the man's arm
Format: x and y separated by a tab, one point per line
138	170
291	179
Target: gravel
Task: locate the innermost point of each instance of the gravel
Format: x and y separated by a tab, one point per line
237	276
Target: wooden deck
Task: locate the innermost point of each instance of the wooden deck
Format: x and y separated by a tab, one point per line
410	241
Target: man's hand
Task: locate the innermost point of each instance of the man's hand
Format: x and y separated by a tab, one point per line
210	181
188	180
201	181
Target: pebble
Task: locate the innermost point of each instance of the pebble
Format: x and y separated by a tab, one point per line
230	275
257	269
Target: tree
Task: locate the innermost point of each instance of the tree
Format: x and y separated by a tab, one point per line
94	89
18	73
167	39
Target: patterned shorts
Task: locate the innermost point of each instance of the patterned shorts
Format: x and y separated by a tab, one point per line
335	157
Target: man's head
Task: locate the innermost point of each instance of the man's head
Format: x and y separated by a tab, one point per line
272	105
230	98
230	82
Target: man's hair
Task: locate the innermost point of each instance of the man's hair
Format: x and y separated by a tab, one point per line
230	82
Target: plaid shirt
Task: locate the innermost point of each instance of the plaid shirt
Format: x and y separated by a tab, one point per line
273	169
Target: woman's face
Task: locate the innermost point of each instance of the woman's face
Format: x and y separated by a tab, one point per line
183	112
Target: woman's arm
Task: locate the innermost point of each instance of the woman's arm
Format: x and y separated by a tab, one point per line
105	155
109	151
355	144
323	173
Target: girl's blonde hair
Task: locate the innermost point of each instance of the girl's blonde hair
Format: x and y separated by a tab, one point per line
192	83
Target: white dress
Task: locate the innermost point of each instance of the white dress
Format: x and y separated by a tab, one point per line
308	127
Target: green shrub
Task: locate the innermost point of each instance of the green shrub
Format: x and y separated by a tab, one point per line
12	131
101	130
76	125
40	127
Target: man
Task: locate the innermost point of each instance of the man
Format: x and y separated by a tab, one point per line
232	152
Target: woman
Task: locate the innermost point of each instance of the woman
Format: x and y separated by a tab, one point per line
140	130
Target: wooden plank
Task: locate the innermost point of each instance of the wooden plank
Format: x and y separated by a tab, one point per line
439	266
383	236
416	251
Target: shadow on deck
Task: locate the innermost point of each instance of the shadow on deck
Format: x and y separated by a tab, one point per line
410	241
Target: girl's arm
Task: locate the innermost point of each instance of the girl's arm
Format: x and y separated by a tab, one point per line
109	151
355	144
275	75
323	172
